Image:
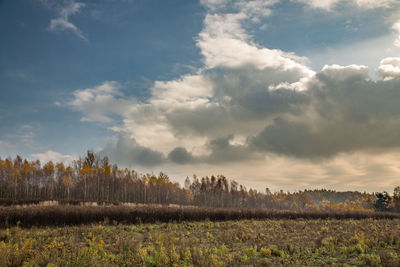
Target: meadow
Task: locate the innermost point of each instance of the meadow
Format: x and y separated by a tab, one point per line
271	242
93	214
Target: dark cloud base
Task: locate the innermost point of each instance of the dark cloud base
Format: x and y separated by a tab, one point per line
341	111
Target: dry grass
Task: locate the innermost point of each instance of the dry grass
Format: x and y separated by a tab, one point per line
365	242
61	215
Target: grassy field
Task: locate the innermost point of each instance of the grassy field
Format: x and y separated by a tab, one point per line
365	242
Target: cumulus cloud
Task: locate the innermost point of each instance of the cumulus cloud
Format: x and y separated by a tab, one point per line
347	112
256	114
223	42
389	68
100	102
229	93
62	22
342	110
249	102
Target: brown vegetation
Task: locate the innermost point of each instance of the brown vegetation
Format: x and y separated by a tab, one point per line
366	242
73	215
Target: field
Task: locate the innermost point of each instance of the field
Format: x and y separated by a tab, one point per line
271	242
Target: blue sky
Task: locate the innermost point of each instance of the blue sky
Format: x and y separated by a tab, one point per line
285	93
133	42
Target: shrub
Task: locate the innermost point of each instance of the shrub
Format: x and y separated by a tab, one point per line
371	259
265	252
275	251
72	215
250	252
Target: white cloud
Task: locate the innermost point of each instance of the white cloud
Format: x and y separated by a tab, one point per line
344	73
100	102
367	4
389	68
224	44
322	4
179	110
189	90
331	4
317	116
396	28
244	90
50	155
368	52
62	23
214	5
258	106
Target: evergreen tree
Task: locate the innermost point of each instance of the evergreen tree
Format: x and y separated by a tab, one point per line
383	201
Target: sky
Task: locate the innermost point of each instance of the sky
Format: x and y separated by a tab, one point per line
285	94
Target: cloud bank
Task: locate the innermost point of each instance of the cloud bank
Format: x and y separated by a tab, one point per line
249	103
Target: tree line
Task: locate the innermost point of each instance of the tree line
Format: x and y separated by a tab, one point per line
87	179
95	179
